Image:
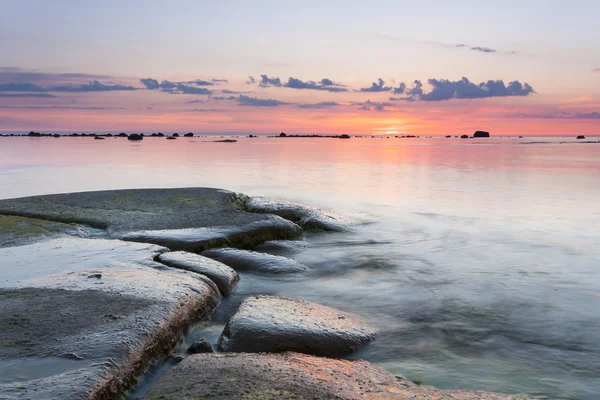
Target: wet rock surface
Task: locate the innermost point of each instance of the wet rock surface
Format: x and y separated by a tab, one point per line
82	318
246	260
130	213
225	277
307	217
16	231
200	346
278	324
292	376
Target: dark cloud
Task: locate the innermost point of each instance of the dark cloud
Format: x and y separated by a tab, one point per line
94	86
378	86
13	74
150	83
63	108
371	105
220	80
227	91
218	98
185	89
40	95
443	89
21	87
562	115
250	80
460	45
325	104
400	89
265	81
167	85
329	86
205	110
197	101
198	82
483	49
256	102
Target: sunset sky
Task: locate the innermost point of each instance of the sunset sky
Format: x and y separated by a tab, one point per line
386	67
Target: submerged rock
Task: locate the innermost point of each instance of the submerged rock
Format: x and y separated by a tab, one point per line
276	324
225	277
200	346
68	334
306	217
246	260
481	134
293	376
135	136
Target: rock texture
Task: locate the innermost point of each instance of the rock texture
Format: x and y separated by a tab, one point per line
277	324
306	217
82	318
246	260
292	376
225	277
190	219
16	231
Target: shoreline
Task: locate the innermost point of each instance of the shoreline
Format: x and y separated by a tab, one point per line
193	225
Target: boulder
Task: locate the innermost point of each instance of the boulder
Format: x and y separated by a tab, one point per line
224	277
344	136
171	138
246	260
189	134
122	134
293	376
176	134
481	134
282	134
464	137
580	137
135	136
307	217
276	324
200	346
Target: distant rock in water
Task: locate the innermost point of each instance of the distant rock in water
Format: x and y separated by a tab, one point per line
580	137
34	134
176	134
247	260
464	137
56	135
122	134
189	134
171	138
160	134
225	141
282	134
269	324
344	136
481	134
135	136
448	136
98	138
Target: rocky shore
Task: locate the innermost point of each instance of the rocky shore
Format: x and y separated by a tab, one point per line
98	286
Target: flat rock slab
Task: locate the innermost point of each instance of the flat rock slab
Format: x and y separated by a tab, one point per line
307	217
225	277
135	211
278	324
291	376
16	231
82	318
246	260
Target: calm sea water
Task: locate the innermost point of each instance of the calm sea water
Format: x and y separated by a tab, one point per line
478	260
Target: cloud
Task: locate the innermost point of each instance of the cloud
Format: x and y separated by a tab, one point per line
325	104
185	89
198	82
400	89
378	86
150	83
197	101
329	85
483	49
596	70
94	86
220	80
21	87
562	115
250	80
15	74
265	81
205	110
40	95
227	91
371	105
444	89
256	102
63	108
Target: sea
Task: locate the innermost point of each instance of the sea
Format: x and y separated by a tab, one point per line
476	260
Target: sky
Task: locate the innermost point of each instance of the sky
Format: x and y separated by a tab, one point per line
385	67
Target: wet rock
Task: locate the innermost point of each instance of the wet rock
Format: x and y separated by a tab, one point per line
67	336
580	137
481	134
276	324
345	136
135	136
306	217
279	247
200	346
176	134
225	277
122	134
189	134
16	231
95	276
293	376
246	260
464	136
282	134
192	219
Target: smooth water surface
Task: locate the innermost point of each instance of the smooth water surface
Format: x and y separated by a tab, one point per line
478	260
